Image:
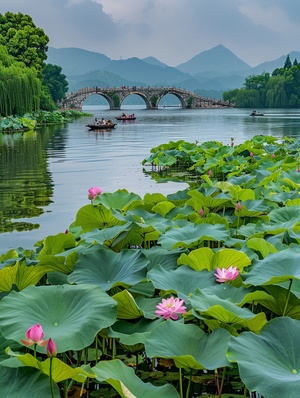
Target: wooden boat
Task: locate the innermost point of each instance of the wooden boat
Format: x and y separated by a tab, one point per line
254	113
126	117
106	126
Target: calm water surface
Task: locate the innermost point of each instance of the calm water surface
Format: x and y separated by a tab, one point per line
44	176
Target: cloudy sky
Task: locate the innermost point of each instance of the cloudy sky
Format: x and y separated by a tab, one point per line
172	31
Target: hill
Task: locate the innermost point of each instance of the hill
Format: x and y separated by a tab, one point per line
218	59
215	70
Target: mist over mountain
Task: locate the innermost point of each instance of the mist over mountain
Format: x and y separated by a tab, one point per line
209	73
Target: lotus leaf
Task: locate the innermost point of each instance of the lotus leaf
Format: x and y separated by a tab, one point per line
70	315
105	268
225	311
189	347
269	363
127	384
270	270
30	382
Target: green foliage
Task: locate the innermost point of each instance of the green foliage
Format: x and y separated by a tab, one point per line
95	288
280	90
19	87
55	81
153	100
23	40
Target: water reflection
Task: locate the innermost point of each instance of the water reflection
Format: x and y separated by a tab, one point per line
26	184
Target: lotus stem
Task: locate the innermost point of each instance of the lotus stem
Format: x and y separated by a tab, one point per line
180	383
189	384
287	297
34	350
66	389
222	383
51	380
81	390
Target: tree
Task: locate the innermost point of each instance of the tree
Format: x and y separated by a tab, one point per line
19	87
23	40
55	81
287	64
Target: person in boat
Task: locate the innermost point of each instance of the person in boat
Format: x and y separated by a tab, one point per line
123	114
103	121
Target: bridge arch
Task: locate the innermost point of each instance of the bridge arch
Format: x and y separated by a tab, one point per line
106	97
141	95
181	99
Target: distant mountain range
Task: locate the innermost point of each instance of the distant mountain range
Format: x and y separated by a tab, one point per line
209	73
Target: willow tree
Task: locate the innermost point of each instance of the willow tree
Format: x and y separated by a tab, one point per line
19	86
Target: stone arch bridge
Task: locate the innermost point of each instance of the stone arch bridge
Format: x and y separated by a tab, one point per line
151	96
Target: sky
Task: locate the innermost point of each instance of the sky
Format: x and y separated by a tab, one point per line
173	31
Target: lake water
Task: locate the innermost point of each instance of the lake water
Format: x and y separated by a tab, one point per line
44	176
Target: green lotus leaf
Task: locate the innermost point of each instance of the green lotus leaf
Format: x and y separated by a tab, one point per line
269	363
127	307
188	147
144	288
288	215
127	384
28	382
270	270
60	370
163	208
159	255
148	306
182	281
121	200
57	244
105	268
10	255
238	295
70	315
293	202
261	245
191	235
277	301
133	333
91	216
59	263
103	235
205	258
210	305
253	208
199	201
21	276
190	347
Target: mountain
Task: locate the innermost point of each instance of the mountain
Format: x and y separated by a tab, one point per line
215	70
153	61
218	59
75	61
135	69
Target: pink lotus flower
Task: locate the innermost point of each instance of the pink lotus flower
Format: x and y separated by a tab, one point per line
201	213
94	192
251	154
35	335
51	348
210	173
226	274
170	307
273	156
238	206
